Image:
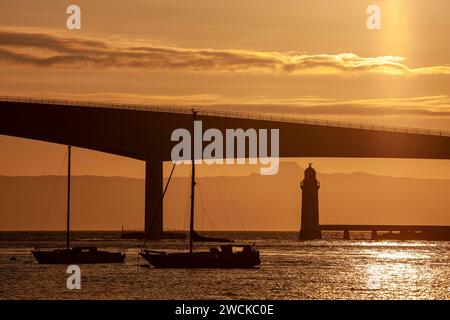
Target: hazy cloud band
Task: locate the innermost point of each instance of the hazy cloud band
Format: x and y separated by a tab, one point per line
47	50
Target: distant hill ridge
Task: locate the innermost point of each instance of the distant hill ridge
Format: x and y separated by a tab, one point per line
251	202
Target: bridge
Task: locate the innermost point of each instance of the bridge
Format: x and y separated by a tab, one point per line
143	132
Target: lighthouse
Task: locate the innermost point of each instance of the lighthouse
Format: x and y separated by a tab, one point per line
309	229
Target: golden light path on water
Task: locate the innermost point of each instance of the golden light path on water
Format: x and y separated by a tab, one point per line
407	272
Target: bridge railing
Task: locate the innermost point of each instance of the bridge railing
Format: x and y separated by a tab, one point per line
228	114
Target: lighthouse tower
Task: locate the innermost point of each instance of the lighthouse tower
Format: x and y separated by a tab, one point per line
310	206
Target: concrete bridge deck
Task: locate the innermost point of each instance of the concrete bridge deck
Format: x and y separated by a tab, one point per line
228	114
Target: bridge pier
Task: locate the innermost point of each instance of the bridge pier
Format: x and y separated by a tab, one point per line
374	235
153	224
346	234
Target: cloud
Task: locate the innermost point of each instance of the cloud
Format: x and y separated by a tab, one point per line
51	50
425	107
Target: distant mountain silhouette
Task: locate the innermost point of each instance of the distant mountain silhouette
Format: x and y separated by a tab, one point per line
252	202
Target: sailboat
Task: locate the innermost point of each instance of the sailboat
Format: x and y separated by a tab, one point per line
222	256
75	255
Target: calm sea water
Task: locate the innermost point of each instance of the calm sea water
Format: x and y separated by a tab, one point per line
323	269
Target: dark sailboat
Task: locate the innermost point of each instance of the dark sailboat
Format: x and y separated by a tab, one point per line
75	255
223	256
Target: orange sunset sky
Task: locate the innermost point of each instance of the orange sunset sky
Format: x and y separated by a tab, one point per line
313	59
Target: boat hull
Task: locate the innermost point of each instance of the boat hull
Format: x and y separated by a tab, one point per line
69	257
202	260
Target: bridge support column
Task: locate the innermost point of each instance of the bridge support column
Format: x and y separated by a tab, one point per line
374	235
153	199
346	235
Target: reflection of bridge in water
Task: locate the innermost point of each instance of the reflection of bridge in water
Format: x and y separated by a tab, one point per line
143	132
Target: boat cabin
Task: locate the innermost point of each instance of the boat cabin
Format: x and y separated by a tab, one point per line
231	249
84	249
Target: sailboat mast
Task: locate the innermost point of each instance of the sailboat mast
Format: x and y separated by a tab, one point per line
191	227
68	197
